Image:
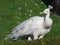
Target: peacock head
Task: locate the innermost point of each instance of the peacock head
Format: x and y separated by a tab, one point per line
46	11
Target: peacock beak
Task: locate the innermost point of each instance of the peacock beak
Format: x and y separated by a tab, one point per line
41	12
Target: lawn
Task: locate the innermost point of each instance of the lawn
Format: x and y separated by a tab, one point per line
13	12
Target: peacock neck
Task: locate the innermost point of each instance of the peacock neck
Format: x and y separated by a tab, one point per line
48	15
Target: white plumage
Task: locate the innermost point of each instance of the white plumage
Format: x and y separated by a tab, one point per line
36	26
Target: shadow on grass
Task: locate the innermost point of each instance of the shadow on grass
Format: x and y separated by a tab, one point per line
44	41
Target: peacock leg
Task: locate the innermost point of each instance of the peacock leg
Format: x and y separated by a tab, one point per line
40	37
29	39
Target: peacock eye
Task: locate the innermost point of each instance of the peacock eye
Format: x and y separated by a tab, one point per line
46	11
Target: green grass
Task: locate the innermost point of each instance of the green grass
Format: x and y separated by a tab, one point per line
14	11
